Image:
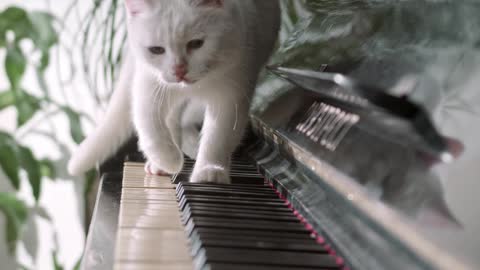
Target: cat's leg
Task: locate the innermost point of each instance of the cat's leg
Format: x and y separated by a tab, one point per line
191	127
222	131
191	140
113	131
151	104
173	119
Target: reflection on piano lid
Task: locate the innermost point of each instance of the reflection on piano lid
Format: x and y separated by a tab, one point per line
362	172
397	114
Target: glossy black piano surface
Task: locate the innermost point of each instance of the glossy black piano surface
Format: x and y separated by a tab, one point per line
375	185
426	51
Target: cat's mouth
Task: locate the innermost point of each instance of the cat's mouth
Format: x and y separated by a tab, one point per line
187	81
181	82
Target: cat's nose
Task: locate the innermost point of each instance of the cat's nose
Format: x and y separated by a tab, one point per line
180	71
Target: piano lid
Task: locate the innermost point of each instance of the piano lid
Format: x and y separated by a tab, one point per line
426	52
406	120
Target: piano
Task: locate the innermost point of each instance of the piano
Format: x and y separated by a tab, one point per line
324	180
336	172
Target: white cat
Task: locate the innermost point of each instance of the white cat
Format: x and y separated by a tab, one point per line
202	56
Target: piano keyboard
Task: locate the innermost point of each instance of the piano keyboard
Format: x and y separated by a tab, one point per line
177	225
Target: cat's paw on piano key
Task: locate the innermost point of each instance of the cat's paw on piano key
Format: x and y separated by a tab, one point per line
211	174
150	169
164	166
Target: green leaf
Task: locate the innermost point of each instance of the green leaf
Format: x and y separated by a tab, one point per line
75	125
56	264
15	65
9	159
44	62
27	106
78	264
23	267
44	36
16	214
32	167
47	168
7	99
90	178
42	212
14	19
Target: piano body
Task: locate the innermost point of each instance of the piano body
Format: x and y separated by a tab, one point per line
334	173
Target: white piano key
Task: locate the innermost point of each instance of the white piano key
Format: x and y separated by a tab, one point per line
150	233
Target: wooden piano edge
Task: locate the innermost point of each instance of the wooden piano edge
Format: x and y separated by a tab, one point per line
100	245
104	197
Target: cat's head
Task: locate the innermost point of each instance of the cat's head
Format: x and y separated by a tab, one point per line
181	41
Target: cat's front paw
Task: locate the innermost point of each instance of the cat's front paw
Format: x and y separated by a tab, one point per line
170	162
151	169
210	174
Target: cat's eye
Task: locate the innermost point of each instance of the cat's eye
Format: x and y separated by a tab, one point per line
195	44
156	50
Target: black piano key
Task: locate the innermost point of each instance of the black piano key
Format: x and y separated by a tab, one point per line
199	241
230	201
235	215
245	224
248	189
279	237
235	162
240	211
239	167
233	168
269	209
234	198
247	202
223	192
233	233
262	187
257	188
268	258
264	245
241	186
229	266
233	174
249	166
235	179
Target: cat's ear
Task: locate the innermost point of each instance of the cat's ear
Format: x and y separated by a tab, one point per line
207	3
136	7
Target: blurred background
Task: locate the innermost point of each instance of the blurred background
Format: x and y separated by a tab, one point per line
57	66
59	60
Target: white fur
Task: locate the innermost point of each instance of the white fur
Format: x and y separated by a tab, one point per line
191	123
238	36
112	132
